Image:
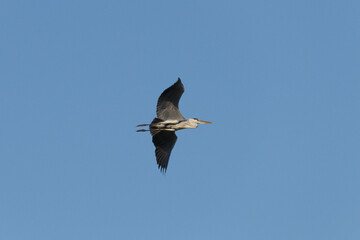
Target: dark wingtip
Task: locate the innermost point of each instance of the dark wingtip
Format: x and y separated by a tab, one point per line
162	169
179	83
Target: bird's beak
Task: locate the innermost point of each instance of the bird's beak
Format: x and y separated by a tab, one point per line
204	122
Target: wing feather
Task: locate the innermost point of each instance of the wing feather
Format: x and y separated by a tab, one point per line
168	103
164	141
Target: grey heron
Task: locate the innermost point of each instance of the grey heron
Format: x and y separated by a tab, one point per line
169	119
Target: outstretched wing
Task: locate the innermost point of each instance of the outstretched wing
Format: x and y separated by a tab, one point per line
168	103
164	141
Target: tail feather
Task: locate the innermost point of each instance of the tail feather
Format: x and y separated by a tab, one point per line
156	120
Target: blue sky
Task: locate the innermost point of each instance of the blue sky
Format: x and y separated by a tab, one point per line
279	79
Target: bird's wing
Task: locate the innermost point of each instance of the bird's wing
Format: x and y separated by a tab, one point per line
168	103
164	141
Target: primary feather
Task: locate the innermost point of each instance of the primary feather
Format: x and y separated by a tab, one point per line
168	102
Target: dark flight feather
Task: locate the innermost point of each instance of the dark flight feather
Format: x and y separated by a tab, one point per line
164	142
168	103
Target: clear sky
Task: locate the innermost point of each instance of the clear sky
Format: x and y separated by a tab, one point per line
279	79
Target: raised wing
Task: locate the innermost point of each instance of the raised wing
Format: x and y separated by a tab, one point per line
168	103
164	141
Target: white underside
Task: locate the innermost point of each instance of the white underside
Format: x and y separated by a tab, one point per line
173	125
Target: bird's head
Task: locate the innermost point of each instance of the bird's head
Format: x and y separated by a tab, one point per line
197	121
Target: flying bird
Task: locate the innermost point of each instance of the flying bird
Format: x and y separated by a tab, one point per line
169	119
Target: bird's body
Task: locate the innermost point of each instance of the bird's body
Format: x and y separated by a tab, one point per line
173	125
169	119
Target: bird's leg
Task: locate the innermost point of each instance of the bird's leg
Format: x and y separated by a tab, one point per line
142	130
142	125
